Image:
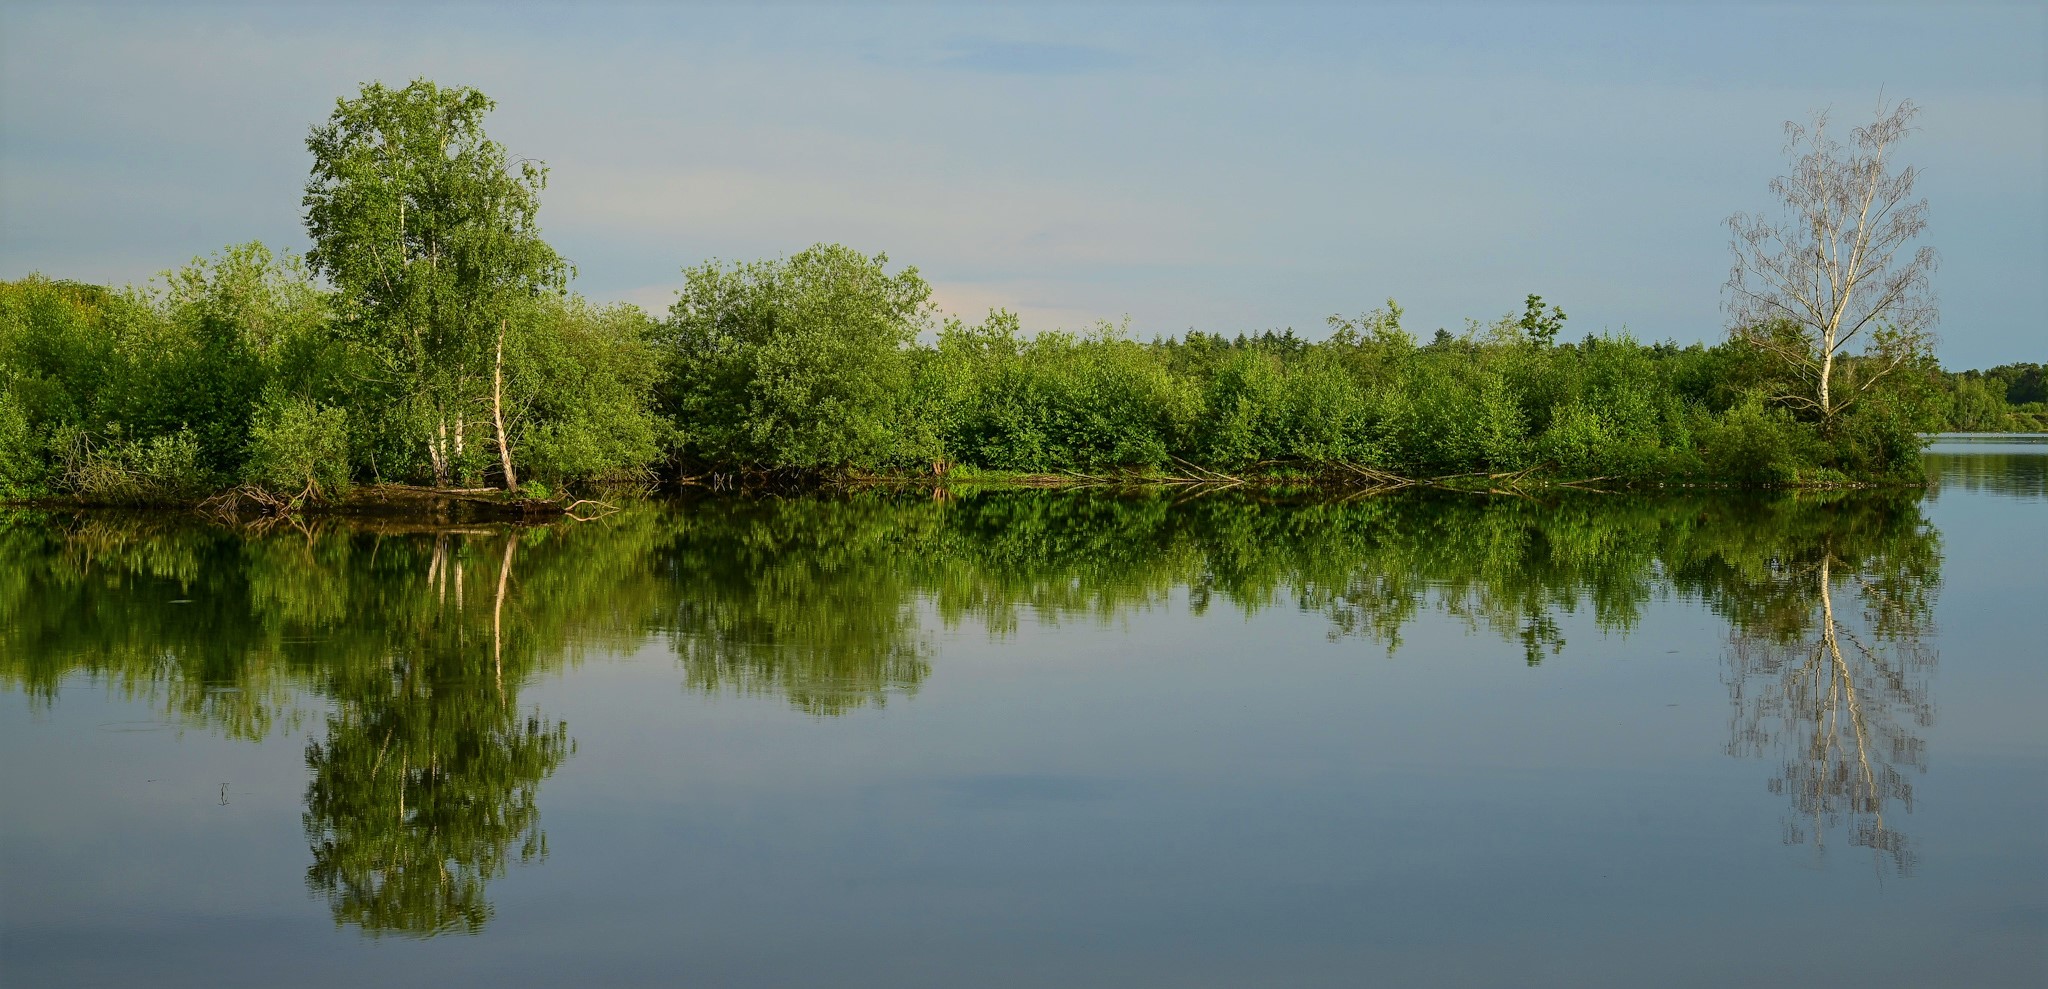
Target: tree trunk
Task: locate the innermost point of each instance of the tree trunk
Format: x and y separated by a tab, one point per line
437	453
1829	344
498	411
1827	371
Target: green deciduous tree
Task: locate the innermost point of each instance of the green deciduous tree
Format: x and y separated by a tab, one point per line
298	446
579	391
430	233
1540	326
794	363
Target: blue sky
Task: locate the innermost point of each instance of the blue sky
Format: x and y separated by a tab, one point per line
1211	166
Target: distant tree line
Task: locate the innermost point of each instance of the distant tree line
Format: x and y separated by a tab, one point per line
2009	398
430	336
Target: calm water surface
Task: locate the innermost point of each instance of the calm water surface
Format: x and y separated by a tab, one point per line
1043	739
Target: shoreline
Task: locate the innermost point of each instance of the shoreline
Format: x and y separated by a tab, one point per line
457	506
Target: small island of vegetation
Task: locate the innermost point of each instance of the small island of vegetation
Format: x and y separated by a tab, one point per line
430	339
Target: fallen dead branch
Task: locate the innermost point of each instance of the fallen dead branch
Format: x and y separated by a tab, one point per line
238	504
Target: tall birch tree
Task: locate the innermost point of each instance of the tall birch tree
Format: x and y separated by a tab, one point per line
429	232
1837	263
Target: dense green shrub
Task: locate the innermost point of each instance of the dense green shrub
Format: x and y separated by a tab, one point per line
2006	398
814	363
582	384
1056	401
296	445
1875	443
1754	444
798	362
56	358
1976	408
21	462
1579	440
163	468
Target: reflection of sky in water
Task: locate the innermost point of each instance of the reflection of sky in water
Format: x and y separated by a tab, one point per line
1142	798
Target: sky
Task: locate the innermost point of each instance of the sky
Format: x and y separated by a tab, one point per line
1204	166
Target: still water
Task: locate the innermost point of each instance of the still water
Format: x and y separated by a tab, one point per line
1171	739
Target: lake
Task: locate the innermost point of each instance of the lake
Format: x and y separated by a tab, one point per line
1175	738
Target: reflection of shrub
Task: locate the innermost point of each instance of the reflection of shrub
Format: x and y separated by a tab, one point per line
296	445
159	469
21	468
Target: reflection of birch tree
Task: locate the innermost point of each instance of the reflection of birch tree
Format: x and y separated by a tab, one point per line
424	788
1841	698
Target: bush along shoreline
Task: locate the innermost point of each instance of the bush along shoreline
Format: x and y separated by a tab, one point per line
241	371
429	346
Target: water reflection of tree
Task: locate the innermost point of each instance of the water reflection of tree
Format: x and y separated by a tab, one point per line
808	601
1840	694
424	784
424	787
423	778
417	799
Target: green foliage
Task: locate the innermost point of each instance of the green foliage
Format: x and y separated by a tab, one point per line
150	394
203	342
1977	408
1540	327
1055	401
2025	384
450	351
580	384
1260	409
21	461
2006	398
1878	442
296	445
56	351
421	221
794	363
117	471
431	238
812	363
1578	439
1754	444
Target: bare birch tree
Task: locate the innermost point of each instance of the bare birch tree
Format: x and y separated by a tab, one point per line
1837	264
